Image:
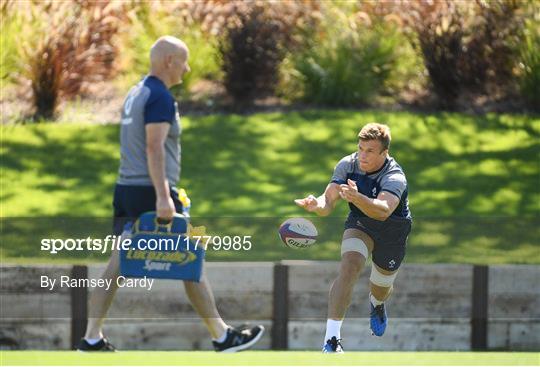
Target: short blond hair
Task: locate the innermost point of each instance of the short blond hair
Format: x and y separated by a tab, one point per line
376	131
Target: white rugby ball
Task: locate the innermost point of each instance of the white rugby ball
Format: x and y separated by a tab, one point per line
298	233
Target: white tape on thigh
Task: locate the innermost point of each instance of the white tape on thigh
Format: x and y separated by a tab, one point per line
354	244
381	279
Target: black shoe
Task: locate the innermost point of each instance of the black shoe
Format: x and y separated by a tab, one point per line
101	346
238	340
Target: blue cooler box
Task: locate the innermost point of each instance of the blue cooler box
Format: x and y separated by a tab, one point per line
161	250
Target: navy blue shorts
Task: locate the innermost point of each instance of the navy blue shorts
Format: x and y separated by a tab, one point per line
131	201
389	238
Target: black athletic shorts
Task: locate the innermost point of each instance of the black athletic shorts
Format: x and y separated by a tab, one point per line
130	202
389	238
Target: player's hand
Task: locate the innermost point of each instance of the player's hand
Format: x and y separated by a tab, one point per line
165	208
348	192
309	203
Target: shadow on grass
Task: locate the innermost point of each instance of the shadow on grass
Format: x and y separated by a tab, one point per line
76	161
450	171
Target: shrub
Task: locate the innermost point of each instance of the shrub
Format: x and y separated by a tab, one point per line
490	52
74	47
256	37
466	46
530	60
251	54
348	60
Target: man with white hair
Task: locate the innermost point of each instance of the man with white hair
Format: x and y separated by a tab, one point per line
148	175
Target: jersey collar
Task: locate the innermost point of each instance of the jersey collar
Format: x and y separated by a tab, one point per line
386	161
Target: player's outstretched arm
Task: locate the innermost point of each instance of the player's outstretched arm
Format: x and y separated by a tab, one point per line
322	205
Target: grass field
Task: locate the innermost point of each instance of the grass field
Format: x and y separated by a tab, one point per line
473	180
271	358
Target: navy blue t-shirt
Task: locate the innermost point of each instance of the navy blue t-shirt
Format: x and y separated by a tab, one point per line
390	178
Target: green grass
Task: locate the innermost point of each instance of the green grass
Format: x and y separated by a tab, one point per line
270	358
474	181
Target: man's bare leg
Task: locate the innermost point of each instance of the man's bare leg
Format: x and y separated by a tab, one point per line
351	265
202	299
355	248
101	299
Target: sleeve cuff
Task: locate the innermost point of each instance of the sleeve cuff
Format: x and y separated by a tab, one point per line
158	122
393	193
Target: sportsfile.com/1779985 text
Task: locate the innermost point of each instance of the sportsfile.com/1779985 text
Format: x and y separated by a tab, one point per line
180	242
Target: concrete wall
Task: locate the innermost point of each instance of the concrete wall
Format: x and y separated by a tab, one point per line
429	310
31	316
514	307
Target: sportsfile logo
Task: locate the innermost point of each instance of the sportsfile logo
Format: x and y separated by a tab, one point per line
113	242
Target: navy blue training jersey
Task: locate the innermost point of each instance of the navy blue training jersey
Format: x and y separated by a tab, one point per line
390	178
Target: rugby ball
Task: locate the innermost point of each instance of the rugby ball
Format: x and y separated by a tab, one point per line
298	233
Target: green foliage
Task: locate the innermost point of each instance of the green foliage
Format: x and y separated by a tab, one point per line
351	51
204	57
69	45
530	61
137	40
148	23
254	45
346	62
251	53
11	24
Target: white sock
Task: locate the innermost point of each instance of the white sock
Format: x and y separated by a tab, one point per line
333	328
92	341
223	336
374	301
